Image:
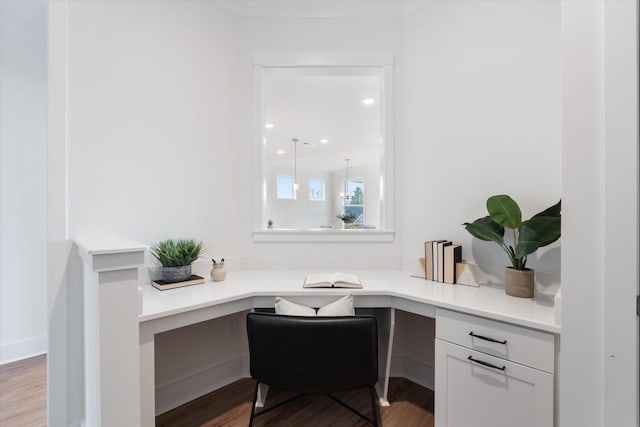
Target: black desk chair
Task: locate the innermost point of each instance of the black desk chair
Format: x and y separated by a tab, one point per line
313	355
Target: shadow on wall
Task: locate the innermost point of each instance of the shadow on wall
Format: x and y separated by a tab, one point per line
492	261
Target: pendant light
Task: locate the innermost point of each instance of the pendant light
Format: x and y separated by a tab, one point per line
296	185
345	194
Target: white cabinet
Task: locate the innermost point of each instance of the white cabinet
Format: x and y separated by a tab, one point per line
491	374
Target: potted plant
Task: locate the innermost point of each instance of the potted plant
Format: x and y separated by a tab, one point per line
346	218
542	229
269	224
176	257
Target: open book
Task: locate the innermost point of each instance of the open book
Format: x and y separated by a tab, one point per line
335	280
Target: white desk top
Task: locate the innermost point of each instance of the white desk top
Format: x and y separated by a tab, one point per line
485	301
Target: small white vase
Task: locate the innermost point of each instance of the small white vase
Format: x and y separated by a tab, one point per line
218	273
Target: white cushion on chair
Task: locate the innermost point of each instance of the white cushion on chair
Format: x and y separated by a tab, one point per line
341	307
289	308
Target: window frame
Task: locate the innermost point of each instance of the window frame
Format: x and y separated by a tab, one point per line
380	60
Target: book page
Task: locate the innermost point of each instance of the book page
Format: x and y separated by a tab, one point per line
321	279
346	278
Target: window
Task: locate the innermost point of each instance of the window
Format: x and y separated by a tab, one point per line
322	80
316	190
285	187
355	204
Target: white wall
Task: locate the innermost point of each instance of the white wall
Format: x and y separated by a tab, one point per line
301	212
479	113
622	194
160	122
307	35
581	361
599	354
153	121
144	130
23	185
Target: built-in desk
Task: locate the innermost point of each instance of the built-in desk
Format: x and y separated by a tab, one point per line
130	387
391	290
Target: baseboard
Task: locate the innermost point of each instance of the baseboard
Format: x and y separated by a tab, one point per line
170	396
412	369
22	349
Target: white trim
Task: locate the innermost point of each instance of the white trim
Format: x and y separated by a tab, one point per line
63	345
183	390
23	349
621	213
324	235
322	59
413	369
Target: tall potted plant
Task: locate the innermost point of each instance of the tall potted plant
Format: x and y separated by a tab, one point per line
542	229
176	257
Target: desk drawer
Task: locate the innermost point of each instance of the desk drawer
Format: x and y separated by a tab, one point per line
515	343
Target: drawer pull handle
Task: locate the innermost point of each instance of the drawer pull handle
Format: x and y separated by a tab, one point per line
487	364
487	338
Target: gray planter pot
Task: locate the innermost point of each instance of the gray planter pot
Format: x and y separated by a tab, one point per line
176	274
519	283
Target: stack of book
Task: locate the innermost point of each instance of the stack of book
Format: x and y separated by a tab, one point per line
441	257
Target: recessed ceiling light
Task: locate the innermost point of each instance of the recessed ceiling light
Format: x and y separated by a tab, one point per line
269	125
324	141
281	152
368	101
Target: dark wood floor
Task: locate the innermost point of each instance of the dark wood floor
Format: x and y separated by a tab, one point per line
23	393
411	405
23	402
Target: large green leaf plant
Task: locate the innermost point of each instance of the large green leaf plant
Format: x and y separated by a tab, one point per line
541	230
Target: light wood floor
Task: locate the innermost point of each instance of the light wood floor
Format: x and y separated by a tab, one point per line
23	393
230	406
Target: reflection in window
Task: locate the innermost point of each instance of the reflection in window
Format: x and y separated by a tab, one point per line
316	190
284	187
355	203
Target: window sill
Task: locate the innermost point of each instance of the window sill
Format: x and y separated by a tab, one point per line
323	235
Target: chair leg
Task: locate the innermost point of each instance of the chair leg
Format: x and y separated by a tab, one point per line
374	406
253	404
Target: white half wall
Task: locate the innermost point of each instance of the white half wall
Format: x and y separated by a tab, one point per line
23	179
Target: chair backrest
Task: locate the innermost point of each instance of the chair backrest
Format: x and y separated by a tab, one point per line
313	354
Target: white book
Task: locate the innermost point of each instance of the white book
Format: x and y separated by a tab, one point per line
335	280
436	263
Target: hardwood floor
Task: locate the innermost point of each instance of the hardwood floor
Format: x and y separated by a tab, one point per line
23	393
23	403
411	405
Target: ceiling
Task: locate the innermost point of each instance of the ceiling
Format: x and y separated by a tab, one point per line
321	8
